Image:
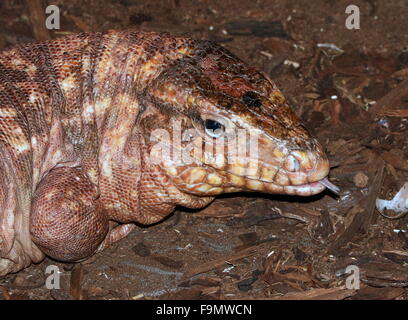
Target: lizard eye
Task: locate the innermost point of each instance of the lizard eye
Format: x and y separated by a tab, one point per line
213	128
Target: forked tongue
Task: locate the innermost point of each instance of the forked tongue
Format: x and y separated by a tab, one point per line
325	182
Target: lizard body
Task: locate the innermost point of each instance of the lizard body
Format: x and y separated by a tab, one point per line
81	119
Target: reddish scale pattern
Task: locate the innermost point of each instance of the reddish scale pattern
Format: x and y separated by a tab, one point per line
62	196
76	115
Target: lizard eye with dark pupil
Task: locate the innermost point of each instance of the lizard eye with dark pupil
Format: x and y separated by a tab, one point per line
213	128
251	99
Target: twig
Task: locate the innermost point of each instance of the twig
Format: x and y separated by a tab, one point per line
37	17
219	262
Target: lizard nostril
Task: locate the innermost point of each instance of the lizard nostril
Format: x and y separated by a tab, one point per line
292	164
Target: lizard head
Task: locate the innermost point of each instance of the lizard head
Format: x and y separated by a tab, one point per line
225	127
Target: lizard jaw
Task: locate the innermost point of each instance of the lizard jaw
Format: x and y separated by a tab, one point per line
292	179
296	173
199	181
304	190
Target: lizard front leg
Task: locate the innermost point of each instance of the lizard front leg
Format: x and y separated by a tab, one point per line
65	222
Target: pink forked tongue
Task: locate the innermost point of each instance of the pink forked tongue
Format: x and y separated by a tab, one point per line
325	182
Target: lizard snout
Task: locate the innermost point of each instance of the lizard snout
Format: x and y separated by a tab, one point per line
304	167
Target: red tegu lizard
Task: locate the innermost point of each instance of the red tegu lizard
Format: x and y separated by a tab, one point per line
77	116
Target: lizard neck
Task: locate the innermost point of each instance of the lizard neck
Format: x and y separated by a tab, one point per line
132	188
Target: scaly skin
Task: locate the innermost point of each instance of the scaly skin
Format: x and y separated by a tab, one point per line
81	118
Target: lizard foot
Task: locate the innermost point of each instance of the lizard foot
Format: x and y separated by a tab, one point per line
116	234
16	260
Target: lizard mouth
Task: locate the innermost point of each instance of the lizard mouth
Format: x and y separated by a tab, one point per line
312	188
299	173
206	180
306	189
301	182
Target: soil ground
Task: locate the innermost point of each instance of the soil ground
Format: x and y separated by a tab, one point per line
350	89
